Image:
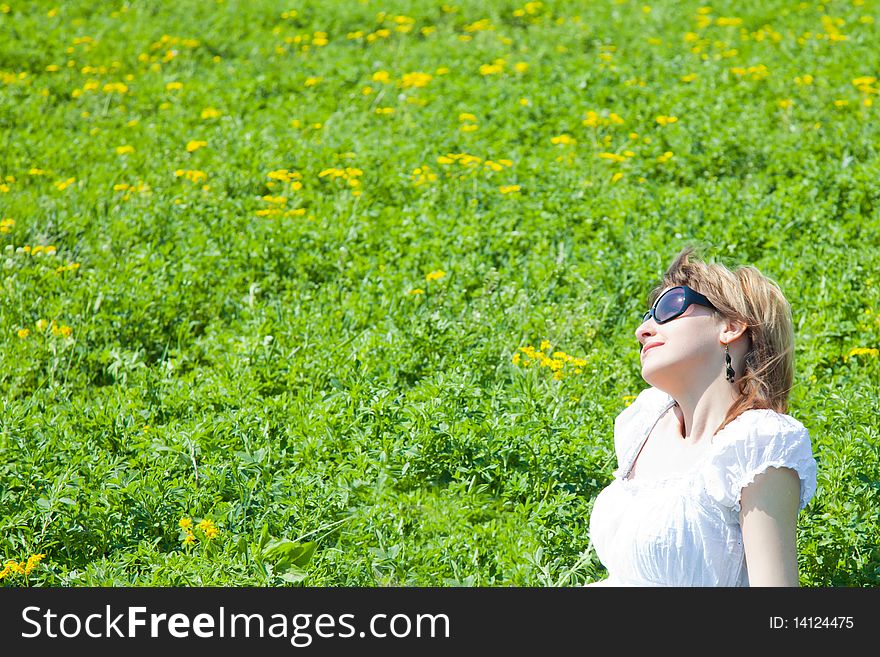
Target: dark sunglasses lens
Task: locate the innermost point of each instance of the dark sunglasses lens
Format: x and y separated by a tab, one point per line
670	305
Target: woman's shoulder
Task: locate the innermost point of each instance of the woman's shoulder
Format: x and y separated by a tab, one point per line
754	441
761	425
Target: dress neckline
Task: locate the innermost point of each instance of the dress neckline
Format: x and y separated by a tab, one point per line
680	473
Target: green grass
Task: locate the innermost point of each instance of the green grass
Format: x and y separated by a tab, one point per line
190	355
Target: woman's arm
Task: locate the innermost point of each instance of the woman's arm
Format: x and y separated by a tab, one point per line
769	526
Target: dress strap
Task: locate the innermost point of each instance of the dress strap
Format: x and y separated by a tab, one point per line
635	453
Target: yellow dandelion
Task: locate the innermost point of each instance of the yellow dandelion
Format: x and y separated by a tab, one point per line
195	145
416	79
205	524
210	113
666	120
862	351
508	189
118	87
435	275
124	150
23	333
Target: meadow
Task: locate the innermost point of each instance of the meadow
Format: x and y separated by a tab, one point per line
344	293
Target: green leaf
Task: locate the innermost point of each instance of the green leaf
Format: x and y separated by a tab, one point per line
283	552
293	575
264	535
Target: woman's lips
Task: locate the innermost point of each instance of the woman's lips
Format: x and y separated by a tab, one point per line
650	346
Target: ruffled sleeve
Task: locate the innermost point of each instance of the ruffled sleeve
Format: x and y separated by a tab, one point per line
757	440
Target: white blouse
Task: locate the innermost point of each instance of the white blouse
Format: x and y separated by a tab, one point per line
683	529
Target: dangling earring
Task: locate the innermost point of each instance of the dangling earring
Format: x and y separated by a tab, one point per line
730	372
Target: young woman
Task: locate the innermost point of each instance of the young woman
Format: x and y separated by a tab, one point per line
712	472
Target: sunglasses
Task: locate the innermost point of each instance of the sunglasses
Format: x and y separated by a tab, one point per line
674	302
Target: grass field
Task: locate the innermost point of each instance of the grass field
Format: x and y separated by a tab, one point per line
343	293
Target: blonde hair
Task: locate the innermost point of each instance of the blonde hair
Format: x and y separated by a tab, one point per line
746	295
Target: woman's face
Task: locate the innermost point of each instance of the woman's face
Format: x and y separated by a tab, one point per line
683	350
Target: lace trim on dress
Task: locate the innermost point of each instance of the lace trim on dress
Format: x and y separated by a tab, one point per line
805	469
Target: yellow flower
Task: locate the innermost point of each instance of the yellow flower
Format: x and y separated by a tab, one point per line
118	87
32	562
861	351
381	76
416	291
617	176
204	525
210	113
174	86
191	175
666	120
545	345
23	333
124	150
189	539
415	79
865	80
195	145
312	81
185	522
61	185
507	189
435	275
563	139
211	532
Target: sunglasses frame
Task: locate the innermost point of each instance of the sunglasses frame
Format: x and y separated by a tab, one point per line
690	297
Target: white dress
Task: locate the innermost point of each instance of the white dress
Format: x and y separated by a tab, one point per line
683	529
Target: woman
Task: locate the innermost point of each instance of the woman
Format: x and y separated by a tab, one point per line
712	472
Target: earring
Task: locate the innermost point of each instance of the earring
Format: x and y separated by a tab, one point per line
730	372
